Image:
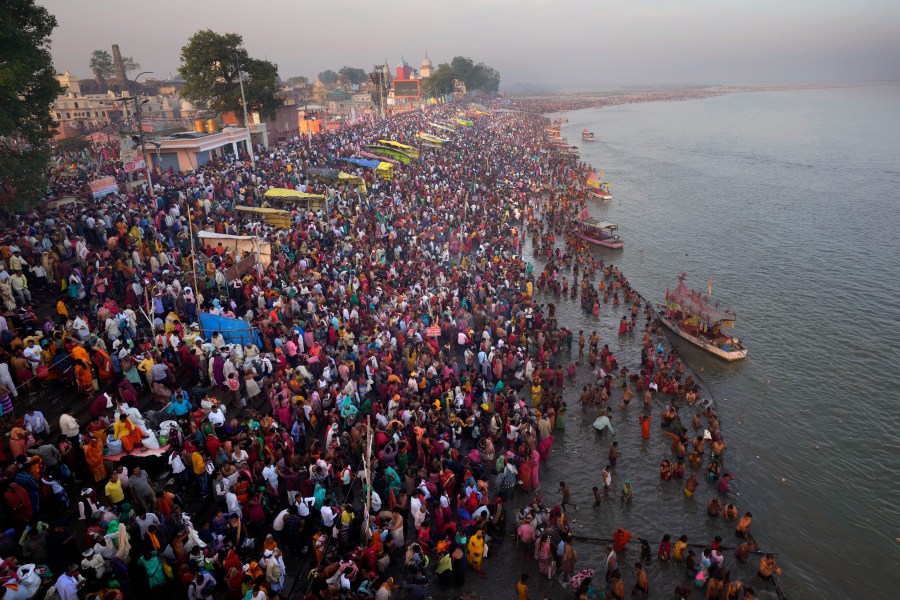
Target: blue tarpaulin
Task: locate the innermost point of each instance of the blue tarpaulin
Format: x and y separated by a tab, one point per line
234	331
372	164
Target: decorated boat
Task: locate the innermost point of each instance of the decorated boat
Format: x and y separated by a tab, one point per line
599	233
597	188
587	136
697	319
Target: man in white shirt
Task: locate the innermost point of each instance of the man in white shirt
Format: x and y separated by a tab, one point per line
232	503
327	516
92	560
36	423
179	470
67	585
20	288
278	523
270	474
33	355
144	520
68	426
216	417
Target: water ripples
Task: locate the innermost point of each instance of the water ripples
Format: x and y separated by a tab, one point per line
791	209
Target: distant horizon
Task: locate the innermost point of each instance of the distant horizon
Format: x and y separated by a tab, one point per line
546	43
672	85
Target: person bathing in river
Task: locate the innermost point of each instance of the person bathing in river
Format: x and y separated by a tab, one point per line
767	568
742	530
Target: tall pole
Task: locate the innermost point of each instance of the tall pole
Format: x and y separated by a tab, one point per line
368	463
246	118
137	104
193	253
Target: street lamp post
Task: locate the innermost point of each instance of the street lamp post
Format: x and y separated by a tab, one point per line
246	119
140	135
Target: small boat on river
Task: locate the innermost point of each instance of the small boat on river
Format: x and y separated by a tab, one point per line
695	318
599	233
587	136
597	188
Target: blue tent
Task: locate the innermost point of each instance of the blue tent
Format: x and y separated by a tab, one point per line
234	331
372	164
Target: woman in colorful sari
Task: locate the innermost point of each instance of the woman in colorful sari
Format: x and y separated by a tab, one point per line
18	439
544	555
93	456
104	366
475	552
234	575
126	431
152	564
83	375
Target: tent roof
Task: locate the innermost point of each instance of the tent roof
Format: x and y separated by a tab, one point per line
372	164
692	302
212	235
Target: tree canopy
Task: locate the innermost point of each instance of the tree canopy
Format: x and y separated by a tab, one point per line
103	60
356	76
328	77
297	80
210	64
477	77
28	87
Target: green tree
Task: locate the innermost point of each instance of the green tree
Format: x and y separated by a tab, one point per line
101	59
464	68
441	81
489	78
298	80
28	87
477	77
356	76
210	65
328	77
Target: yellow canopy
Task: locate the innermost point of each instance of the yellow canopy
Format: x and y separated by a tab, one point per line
272	216
412	151
359	182
385	170
286	193
309	201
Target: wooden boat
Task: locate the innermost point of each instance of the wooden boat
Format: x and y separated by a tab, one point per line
602	195
597	188
600	233
587	136
695	318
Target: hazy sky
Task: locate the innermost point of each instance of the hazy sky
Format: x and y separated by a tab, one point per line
559	42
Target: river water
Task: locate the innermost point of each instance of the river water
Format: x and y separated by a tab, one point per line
788	200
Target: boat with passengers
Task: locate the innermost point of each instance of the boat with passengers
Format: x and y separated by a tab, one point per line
599	233
697	319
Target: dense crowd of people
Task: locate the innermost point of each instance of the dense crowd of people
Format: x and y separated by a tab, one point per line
388	385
